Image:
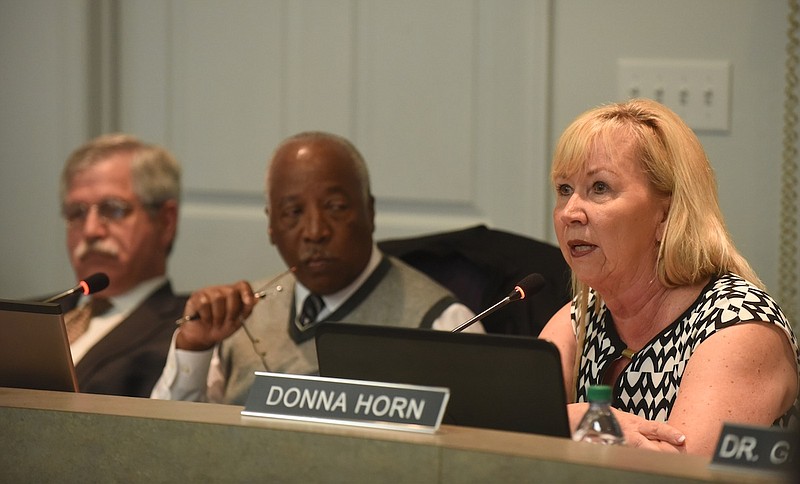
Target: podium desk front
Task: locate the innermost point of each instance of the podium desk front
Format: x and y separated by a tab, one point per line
68	437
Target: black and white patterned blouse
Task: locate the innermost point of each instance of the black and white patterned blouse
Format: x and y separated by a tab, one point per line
649	384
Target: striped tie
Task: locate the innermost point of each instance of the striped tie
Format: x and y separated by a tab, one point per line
77	320
311	308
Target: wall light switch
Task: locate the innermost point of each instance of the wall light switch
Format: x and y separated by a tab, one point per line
698	90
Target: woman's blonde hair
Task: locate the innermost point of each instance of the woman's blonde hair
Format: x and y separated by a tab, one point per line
695	244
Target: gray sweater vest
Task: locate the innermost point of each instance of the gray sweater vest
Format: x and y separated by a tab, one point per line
394	295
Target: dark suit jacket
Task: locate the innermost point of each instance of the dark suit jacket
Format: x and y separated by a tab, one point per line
129	359
482	265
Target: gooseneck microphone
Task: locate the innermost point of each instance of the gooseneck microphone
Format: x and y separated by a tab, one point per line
528	286
92	284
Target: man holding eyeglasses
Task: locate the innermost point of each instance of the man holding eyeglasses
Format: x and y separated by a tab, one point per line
119	198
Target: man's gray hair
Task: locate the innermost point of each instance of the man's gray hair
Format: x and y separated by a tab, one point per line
155	173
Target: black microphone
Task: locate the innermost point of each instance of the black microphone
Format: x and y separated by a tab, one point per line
92	284
530	285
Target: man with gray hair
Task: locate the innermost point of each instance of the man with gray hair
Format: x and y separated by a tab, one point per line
119	199
321	219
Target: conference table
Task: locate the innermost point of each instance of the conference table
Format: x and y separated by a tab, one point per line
73	437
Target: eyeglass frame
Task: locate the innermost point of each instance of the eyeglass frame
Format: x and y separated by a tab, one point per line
116	210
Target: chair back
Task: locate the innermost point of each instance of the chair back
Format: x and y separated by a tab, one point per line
480	266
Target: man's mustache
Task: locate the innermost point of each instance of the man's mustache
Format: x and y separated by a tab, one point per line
100	247
307	255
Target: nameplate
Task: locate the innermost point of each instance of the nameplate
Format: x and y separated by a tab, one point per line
347	402
756	448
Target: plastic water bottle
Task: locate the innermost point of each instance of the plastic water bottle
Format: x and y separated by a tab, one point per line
599	425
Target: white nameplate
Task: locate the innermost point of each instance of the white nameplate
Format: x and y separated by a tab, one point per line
347	402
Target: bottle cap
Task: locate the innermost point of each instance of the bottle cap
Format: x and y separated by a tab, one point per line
599	393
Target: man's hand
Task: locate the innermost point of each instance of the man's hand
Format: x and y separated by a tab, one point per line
220	311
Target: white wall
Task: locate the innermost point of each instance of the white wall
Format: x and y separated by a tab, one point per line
43	109
438	96
455	105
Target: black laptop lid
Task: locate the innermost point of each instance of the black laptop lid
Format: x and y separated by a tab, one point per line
496	381
34	349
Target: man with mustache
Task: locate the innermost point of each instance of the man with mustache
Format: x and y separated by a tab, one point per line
119	198
321	218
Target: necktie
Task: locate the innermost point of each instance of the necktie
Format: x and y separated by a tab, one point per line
311	308
77	320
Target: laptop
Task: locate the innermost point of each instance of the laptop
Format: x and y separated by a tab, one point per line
496	381
34	349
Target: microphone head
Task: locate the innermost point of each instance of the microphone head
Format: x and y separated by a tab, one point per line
94	283
528	286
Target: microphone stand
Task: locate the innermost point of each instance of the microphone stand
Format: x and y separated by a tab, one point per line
485	313
63	294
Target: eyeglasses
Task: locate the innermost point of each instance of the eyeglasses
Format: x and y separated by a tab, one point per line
109	210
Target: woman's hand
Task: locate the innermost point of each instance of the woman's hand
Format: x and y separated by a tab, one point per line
639	432
649	434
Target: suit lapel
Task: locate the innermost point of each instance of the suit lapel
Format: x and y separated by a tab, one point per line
132	332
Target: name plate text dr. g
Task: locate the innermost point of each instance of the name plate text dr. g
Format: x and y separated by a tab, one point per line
347	402
757	448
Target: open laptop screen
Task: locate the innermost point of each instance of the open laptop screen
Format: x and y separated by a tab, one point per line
34	350
496	381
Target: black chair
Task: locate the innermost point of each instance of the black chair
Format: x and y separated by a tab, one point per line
481	266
